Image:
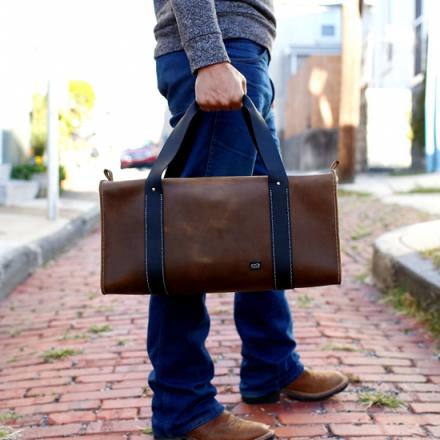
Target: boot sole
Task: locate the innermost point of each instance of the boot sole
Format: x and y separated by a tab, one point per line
308	397
303	397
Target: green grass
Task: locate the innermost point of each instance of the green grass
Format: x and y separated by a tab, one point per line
304	301
349	193
333	346
98	329
147	431
220	310
55	354
7	433
360	232
8	416
379	398
421	190
68	334
433	255
362	276
353	378
427	314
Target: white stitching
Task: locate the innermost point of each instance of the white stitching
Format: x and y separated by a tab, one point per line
102	236
289	233
273	242
161	243
146	244
338	256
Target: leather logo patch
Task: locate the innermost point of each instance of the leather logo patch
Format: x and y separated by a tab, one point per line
255	265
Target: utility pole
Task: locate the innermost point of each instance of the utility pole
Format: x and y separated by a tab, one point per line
52	151
350	87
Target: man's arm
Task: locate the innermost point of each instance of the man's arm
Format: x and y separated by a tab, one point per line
219	86
199	32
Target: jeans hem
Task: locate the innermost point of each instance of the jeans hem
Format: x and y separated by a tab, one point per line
210	415
285	380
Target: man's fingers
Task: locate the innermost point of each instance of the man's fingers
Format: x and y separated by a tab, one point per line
220	87
219	105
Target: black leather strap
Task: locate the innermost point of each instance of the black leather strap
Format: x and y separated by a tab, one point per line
279	200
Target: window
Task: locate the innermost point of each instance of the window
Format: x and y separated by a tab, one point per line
328	30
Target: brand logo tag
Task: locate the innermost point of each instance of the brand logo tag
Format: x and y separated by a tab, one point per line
255	265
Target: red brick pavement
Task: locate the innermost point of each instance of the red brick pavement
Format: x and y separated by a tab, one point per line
100	392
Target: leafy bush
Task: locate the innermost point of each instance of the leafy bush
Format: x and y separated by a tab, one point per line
24	171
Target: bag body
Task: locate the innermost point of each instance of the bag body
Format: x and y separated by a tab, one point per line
182	236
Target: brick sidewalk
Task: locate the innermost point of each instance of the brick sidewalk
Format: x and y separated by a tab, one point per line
100	392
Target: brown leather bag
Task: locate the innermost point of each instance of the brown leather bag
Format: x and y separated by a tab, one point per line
219	234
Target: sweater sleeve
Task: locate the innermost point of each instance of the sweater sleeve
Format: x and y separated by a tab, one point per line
199	32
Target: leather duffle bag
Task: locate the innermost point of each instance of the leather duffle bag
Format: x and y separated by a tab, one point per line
187	235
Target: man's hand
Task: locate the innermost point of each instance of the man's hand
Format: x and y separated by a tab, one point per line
220	87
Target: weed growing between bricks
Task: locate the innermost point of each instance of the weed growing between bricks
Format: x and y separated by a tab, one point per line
426	313
55	354
8	433
381	399
434	256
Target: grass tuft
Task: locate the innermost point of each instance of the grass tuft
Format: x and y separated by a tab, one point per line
353	378
68	334
8	433
8	416
379	398
433	255
422	190
98	329
55	354
349	193
333	346
427	314
304	301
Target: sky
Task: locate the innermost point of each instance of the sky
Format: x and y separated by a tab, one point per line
109	43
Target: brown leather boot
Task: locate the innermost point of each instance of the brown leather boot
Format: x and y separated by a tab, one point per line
310	385
228	427
316	385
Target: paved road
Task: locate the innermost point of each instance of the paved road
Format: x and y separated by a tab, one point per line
99	391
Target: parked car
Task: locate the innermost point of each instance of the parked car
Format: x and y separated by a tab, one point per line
140	157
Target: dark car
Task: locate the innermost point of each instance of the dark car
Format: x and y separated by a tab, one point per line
139	157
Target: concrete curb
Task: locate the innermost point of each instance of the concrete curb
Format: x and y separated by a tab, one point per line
397	261
19	262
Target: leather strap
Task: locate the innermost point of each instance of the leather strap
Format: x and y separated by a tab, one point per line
279	200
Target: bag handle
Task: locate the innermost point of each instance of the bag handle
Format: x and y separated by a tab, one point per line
279	200
257	127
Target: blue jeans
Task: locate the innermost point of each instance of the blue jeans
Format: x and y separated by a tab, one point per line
184	397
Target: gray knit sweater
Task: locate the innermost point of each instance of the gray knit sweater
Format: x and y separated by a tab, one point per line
200	26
